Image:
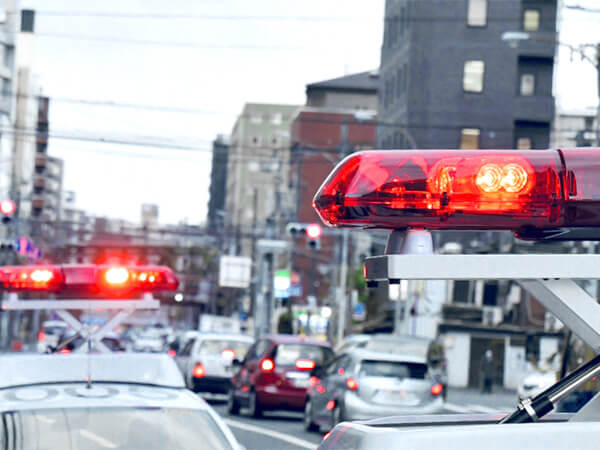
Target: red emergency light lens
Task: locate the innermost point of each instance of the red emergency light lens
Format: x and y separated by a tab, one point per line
116	276
305	364
448	189
31	278
330	405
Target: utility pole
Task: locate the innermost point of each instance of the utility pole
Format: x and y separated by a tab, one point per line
342	298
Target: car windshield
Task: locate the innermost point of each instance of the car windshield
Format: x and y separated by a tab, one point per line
54	330
109	428
288	354
211	347
371	368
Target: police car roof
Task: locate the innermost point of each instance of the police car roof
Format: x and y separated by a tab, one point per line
134	368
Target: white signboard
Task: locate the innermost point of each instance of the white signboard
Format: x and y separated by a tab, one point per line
235	271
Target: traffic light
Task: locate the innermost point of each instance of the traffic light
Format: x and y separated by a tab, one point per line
312	231
313	234
7	209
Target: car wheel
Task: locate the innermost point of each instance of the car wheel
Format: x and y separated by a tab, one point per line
309	425
254	408
233	405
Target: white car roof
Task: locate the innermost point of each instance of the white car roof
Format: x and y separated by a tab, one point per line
225	336
381	356
135	368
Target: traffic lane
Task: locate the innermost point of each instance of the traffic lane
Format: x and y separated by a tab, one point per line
275	430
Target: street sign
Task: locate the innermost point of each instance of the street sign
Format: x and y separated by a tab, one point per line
282	284
272	245
235	271
359	312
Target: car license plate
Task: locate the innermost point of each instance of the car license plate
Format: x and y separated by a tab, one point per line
299	379
396	397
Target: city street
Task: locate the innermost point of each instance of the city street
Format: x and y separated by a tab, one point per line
283	430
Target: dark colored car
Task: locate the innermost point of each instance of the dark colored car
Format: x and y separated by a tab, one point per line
275	374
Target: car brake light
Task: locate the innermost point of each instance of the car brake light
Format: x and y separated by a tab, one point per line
351	384
228	354
437	389
65	351
267	365
198	371
171	353
330	405
305	364
313	381
41	336
463	189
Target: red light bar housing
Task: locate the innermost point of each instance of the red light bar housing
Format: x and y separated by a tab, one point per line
535	193
93	280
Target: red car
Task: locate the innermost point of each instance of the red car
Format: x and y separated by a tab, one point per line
275	373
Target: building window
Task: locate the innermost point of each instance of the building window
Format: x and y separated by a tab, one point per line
469	138
531	20
477	13
524	143
527	84
473	76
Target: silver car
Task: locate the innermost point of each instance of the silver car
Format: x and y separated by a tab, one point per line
206	360
99	401
361	384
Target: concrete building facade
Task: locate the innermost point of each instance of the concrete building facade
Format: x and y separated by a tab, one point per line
449	81
218	183
257	175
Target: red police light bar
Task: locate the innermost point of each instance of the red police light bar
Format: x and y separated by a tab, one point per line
88	279
536	193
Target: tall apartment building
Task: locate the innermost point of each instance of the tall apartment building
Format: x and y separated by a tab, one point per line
47	182
257	169
218	183
449	81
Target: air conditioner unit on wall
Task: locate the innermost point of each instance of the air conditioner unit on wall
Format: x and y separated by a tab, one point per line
492	315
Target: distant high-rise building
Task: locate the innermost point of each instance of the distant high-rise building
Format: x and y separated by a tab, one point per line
218	183
448	80
257	169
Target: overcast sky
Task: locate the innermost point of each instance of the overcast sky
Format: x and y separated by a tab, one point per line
211	62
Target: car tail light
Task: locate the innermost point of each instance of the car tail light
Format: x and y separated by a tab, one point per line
437	389
41	336
320	388
228	354
463	189
305	364
31	278
172	353
351	384
65	351
330	405
198	371
267	365
313	381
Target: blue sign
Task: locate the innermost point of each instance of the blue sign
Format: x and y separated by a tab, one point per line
359	312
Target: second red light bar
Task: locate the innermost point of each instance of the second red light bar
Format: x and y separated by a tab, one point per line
523	191
88	279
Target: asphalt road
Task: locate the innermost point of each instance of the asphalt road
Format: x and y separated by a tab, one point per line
284	430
